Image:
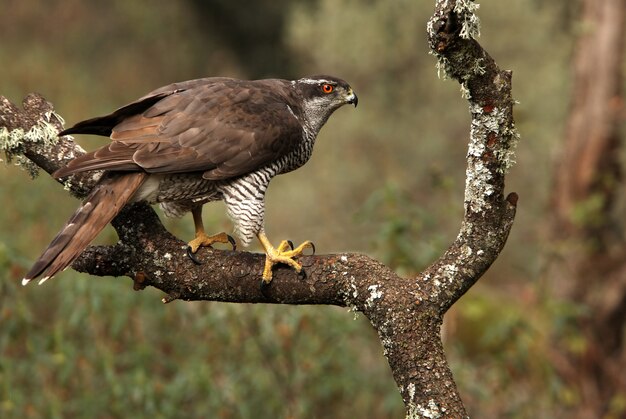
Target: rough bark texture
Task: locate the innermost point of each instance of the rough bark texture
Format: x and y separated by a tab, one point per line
406	312
592	271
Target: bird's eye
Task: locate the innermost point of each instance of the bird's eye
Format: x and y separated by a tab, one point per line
327	88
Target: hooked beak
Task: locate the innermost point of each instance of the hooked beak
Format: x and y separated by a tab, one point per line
352	98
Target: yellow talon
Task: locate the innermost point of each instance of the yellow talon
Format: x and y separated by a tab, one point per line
202	239
280	254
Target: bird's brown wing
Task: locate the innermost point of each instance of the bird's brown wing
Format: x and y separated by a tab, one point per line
222	127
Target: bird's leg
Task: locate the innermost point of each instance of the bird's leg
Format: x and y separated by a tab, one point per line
281	254
202	239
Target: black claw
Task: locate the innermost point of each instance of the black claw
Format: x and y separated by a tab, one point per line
265	286
290	244
232	242
192	256
302	274
312	248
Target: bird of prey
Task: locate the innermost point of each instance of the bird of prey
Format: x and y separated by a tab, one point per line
193	142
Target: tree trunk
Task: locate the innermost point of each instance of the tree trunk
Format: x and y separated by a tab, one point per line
591	272
589	166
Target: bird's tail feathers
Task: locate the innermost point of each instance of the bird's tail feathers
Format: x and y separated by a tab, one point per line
103	203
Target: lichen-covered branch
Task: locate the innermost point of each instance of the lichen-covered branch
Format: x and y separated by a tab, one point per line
28	137
406	312
488	214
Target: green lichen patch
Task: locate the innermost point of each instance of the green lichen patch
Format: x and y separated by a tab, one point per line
14	143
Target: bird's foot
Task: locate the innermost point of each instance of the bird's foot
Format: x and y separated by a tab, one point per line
280	254
202	239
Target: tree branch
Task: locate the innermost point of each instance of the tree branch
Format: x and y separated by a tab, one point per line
488	215
407	313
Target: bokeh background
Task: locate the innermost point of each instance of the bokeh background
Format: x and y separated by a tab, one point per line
385	179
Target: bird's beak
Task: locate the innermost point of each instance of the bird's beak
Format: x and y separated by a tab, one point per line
352	98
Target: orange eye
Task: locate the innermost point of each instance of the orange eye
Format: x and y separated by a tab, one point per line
327	88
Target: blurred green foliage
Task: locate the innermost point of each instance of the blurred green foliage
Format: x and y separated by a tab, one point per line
99	352
399	219
386	179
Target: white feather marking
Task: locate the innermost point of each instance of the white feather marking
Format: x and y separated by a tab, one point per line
25	281
44	279
149	190
315	81
291	112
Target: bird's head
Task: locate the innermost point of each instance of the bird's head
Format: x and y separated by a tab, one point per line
322	95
